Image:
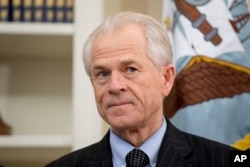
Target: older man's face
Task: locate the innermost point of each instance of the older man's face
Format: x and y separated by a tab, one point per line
128	87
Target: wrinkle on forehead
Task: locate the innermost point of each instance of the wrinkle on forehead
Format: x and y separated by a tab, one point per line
129	38
115	51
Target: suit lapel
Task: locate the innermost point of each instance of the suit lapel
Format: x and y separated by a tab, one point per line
101	156
174	149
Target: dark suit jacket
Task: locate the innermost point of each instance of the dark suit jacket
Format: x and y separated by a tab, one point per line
177	149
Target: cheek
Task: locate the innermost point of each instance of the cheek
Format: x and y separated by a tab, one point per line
153	93
99	103
152	85
99	94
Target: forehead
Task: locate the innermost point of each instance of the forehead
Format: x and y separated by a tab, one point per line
130	37
124	46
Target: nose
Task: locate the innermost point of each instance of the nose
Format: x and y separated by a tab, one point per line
117	83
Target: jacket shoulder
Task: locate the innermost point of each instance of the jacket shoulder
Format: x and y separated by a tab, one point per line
208	152
196	150
94	153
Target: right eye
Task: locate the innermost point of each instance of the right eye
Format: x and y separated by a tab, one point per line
102	74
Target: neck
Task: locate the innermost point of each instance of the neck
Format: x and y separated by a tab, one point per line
137	136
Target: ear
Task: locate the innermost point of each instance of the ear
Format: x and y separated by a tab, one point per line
168	76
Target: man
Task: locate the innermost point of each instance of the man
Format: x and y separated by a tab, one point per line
128	59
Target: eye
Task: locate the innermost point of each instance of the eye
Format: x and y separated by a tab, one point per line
131	69
102	74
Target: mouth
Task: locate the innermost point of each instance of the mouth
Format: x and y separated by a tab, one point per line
120	104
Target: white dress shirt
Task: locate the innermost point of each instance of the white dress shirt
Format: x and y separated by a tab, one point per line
151	147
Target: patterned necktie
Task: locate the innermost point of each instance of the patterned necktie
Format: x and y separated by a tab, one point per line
137	158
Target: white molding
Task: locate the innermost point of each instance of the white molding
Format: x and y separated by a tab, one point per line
19	141
88	126
36	28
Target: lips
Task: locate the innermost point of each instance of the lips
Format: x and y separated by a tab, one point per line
118	104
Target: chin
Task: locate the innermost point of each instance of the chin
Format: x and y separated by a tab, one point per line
124	124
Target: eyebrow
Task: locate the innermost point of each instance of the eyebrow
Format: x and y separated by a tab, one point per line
126	62
97	67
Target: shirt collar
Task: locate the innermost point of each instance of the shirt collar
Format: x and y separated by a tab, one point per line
120	147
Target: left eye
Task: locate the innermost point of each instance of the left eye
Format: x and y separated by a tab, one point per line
131	69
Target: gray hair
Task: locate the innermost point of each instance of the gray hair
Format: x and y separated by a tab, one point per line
158	44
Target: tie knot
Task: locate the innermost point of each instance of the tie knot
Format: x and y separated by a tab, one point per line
137	158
